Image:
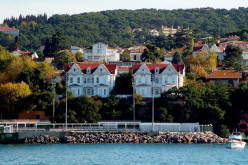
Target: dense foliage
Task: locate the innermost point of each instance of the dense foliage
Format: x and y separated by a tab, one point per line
115	27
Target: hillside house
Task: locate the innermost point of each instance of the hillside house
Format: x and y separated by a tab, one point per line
166	76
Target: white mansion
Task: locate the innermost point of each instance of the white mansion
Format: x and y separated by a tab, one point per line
165	76
91	79
99	79
101	52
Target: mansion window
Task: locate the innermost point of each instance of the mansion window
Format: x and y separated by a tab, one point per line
156	70
71	80
88	80
78	80
157	91
134	57
105	92
88	92
97	80
88	70
85	80
157	79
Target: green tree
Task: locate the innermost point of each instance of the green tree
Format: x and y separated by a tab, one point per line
233	57
123	84
56	43
15	45
63	57
10	94
125	55
151	54
177	58
79	56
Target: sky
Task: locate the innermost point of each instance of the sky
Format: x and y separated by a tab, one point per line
14	8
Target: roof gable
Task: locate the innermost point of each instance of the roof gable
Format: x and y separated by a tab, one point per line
169	70
74	69
141	69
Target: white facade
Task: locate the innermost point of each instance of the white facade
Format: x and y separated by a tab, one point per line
154	32
166	76
101	52
91	79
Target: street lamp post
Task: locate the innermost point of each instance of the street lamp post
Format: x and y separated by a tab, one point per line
133	103
54	85
66	100
152	78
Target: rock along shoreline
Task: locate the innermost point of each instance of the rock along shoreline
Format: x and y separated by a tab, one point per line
95	138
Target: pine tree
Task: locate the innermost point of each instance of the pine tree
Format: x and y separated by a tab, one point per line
177	58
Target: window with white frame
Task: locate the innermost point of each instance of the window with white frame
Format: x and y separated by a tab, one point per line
85	80
78	80
88	80
97	80
71	80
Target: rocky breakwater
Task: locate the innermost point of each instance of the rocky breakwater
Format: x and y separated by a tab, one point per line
127	138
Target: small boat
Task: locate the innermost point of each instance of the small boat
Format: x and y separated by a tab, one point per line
235	141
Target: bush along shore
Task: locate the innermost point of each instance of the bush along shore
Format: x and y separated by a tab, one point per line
127	138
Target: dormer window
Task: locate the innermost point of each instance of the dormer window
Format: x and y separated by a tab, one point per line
88	71
156	70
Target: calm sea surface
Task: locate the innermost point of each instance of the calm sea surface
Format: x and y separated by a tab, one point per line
121	154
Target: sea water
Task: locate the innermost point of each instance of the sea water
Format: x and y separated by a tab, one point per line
121	154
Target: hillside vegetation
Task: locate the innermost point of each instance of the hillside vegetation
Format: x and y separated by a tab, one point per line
115	27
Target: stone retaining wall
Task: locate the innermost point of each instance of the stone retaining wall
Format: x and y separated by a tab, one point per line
125	138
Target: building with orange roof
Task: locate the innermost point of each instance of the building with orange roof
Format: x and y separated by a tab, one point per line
229	38
101	52
136	52
225	76
12	31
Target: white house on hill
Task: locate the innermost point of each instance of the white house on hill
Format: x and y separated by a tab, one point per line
91	79
166	76
101	52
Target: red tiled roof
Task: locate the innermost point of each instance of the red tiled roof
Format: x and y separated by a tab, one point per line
151	67
123	68
234	42
224	74
110	67
110	47
166	27
230	38
198	47
179	67
137	51
221	47
7	28
169	54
